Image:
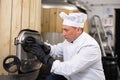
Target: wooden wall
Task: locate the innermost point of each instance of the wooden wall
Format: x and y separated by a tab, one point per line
16	15
51	21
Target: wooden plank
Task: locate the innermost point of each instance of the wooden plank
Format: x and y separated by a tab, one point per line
38	16
59	20
66	11
16	23
25	14
86	27
42	28
53	14
32	13
46	20
5	16
13	15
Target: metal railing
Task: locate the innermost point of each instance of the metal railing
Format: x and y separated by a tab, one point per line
102	36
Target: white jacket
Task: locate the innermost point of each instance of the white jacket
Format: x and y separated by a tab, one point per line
81	59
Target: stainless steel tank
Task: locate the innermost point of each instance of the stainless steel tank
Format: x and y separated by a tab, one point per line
27	65
29	62
52	37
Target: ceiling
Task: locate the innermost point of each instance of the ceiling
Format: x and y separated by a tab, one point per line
84	4
70	4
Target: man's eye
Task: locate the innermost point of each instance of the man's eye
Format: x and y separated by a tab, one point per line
66	30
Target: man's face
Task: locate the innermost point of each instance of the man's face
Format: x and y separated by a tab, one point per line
70	33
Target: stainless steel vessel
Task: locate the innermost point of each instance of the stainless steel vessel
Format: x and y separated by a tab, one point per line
52	37
27	65
29	62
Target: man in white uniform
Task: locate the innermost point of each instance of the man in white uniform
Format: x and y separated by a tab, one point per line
80	53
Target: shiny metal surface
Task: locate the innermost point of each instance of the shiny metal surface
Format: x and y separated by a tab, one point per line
52	37
29	62
60	5
65	4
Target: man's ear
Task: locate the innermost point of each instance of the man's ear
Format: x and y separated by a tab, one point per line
79	30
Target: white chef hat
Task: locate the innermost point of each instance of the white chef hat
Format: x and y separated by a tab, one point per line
73	19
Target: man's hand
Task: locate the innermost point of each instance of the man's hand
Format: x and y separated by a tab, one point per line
30	40
26	44
45	47
35	48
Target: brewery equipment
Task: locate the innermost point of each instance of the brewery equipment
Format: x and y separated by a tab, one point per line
26	64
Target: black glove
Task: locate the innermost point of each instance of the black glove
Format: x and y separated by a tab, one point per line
35	49
30	40
27	43
45	47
